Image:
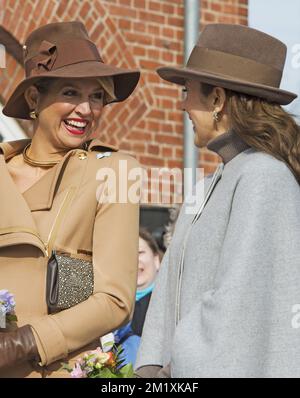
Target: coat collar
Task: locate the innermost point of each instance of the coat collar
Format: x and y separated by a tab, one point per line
227	145
40	195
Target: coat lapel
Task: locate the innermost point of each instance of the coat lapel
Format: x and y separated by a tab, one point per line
17	223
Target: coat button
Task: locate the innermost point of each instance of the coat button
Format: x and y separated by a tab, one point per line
82	155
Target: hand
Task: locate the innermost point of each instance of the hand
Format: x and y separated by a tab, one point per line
17	346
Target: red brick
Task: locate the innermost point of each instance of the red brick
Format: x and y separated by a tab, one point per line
85	9
216	7
151	65
179	153
174	21
139	38
167	152
153	149
243	11
152	17
153	54
166	92
138	147
139	27
124	11
153	126
175	164
139	3
209	157
154	5
154	29
126	145
169	32
168	57
153	78
156	114
137	135
125	3
125	24
168	139
151	161
139	51
168	9
209	16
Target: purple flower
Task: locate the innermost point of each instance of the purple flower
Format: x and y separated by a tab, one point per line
7	301
77	372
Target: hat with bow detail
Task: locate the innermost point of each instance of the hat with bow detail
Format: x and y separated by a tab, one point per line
64	50
238	58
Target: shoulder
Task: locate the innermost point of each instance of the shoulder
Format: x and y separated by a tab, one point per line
258	172
253	164
106	155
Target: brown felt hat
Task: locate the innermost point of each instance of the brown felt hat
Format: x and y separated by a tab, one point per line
237	58
64	49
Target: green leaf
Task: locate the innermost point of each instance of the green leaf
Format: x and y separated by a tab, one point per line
127	371
66	366
11	318
105	374
108	344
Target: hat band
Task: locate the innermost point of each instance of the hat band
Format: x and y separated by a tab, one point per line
233	66
53	56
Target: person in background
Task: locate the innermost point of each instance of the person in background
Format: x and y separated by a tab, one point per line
149	262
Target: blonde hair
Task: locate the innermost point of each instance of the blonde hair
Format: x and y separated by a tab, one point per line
108	84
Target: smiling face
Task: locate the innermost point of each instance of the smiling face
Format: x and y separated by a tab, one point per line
68	112
148	265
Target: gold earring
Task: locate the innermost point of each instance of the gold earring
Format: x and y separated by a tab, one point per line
216	116
33	114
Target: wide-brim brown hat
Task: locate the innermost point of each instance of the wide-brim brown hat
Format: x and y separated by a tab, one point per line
64	50
238	58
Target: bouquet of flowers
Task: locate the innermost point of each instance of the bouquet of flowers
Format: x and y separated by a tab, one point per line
7	308
99	364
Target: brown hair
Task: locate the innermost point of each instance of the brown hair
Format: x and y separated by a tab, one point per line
148	238
264	126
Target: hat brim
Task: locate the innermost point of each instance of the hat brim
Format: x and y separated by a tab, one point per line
125	82
272	94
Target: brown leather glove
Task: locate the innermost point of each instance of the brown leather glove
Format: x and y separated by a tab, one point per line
17	346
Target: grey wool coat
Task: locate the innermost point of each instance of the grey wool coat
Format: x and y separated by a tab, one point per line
239	290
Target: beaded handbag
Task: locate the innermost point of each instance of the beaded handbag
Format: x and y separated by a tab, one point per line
69	281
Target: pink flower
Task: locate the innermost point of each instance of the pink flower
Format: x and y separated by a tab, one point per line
77	372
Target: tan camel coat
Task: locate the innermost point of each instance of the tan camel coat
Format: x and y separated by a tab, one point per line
104	232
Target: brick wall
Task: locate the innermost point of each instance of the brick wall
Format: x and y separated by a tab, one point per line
143	34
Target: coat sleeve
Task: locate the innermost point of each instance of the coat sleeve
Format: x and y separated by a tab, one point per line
115	259
246	326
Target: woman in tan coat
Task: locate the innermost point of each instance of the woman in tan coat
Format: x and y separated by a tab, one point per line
52	200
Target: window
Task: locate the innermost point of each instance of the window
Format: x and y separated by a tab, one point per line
10	130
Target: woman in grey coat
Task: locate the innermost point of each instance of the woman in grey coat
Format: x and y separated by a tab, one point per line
227	299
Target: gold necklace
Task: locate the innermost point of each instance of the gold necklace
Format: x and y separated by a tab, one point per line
37	163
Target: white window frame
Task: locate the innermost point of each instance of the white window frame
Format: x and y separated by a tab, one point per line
10	128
